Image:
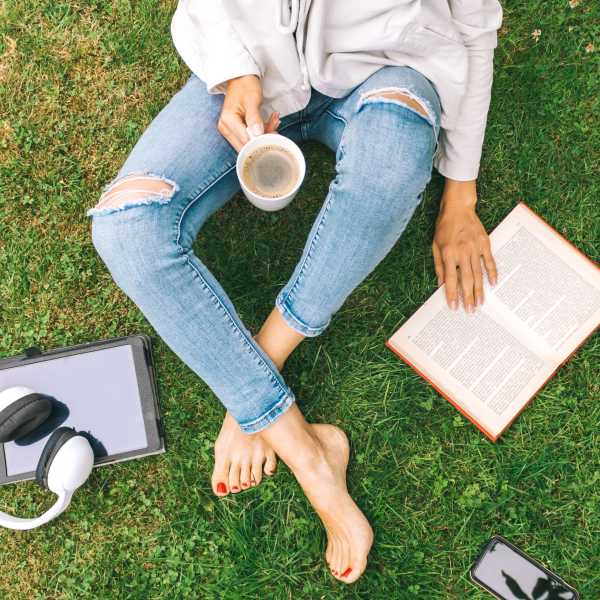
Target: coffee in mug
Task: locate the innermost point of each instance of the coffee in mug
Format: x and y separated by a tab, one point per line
270	168
270	171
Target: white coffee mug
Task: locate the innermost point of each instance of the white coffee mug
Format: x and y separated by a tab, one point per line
270	139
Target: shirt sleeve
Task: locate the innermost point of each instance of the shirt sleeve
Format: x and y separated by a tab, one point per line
459	152
205	39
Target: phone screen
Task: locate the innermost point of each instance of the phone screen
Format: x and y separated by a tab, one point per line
511	575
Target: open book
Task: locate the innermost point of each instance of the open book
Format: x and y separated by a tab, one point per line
489	364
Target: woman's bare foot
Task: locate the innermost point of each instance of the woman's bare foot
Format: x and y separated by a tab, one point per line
323	479
318	457
240	459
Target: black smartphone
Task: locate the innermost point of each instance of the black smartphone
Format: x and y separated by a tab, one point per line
509	574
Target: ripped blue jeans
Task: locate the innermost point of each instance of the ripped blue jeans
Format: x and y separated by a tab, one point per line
184	171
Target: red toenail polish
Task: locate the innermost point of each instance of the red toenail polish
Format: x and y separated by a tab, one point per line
235	488
347	572
221	488
244	485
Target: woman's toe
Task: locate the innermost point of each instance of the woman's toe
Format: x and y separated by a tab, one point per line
257	470
354	571
234	478
329	553
337	557
270	463
245	476
220	479
345	561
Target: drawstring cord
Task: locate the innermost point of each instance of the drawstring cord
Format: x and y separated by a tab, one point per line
292	16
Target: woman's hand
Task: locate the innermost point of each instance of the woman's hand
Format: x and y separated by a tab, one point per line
459	243
243	98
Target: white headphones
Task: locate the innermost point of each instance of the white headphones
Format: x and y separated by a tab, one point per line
66	460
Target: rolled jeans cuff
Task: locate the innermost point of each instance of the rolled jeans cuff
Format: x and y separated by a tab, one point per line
271	415
296	322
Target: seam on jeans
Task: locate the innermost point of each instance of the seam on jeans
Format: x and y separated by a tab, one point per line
289	125
179	219
311	248
260	360
338	117
234	326
198	193
315	237
304	129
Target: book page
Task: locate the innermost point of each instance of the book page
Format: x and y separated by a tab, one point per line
493	361
474	358
544	282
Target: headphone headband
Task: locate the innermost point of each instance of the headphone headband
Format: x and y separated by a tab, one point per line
58	507
66	460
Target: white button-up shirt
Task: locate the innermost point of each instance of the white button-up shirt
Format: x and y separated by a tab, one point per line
335	45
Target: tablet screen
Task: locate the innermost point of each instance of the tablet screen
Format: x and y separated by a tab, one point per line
96	392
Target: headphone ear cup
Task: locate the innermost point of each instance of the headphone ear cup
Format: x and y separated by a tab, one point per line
53	445
23	416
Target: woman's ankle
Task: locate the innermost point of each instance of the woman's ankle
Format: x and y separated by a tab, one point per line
274	356
293	439
277	338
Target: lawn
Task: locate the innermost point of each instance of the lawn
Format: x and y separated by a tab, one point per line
79	82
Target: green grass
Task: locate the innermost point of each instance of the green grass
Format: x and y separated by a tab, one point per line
79	82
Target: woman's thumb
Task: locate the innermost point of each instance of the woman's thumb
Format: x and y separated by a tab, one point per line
254	121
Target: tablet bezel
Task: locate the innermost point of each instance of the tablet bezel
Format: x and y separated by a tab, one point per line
141	348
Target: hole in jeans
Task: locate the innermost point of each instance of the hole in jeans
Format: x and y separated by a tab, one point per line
134	190
399	96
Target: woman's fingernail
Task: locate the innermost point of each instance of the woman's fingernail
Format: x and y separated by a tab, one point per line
347	572
221	488
257	129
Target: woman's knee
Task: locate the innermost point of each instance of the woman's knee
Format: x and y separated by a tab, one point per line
394	120
390	143
404	87
128	230
134	189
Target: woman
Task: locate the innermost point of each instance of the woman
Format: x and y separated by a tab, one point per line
382	85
